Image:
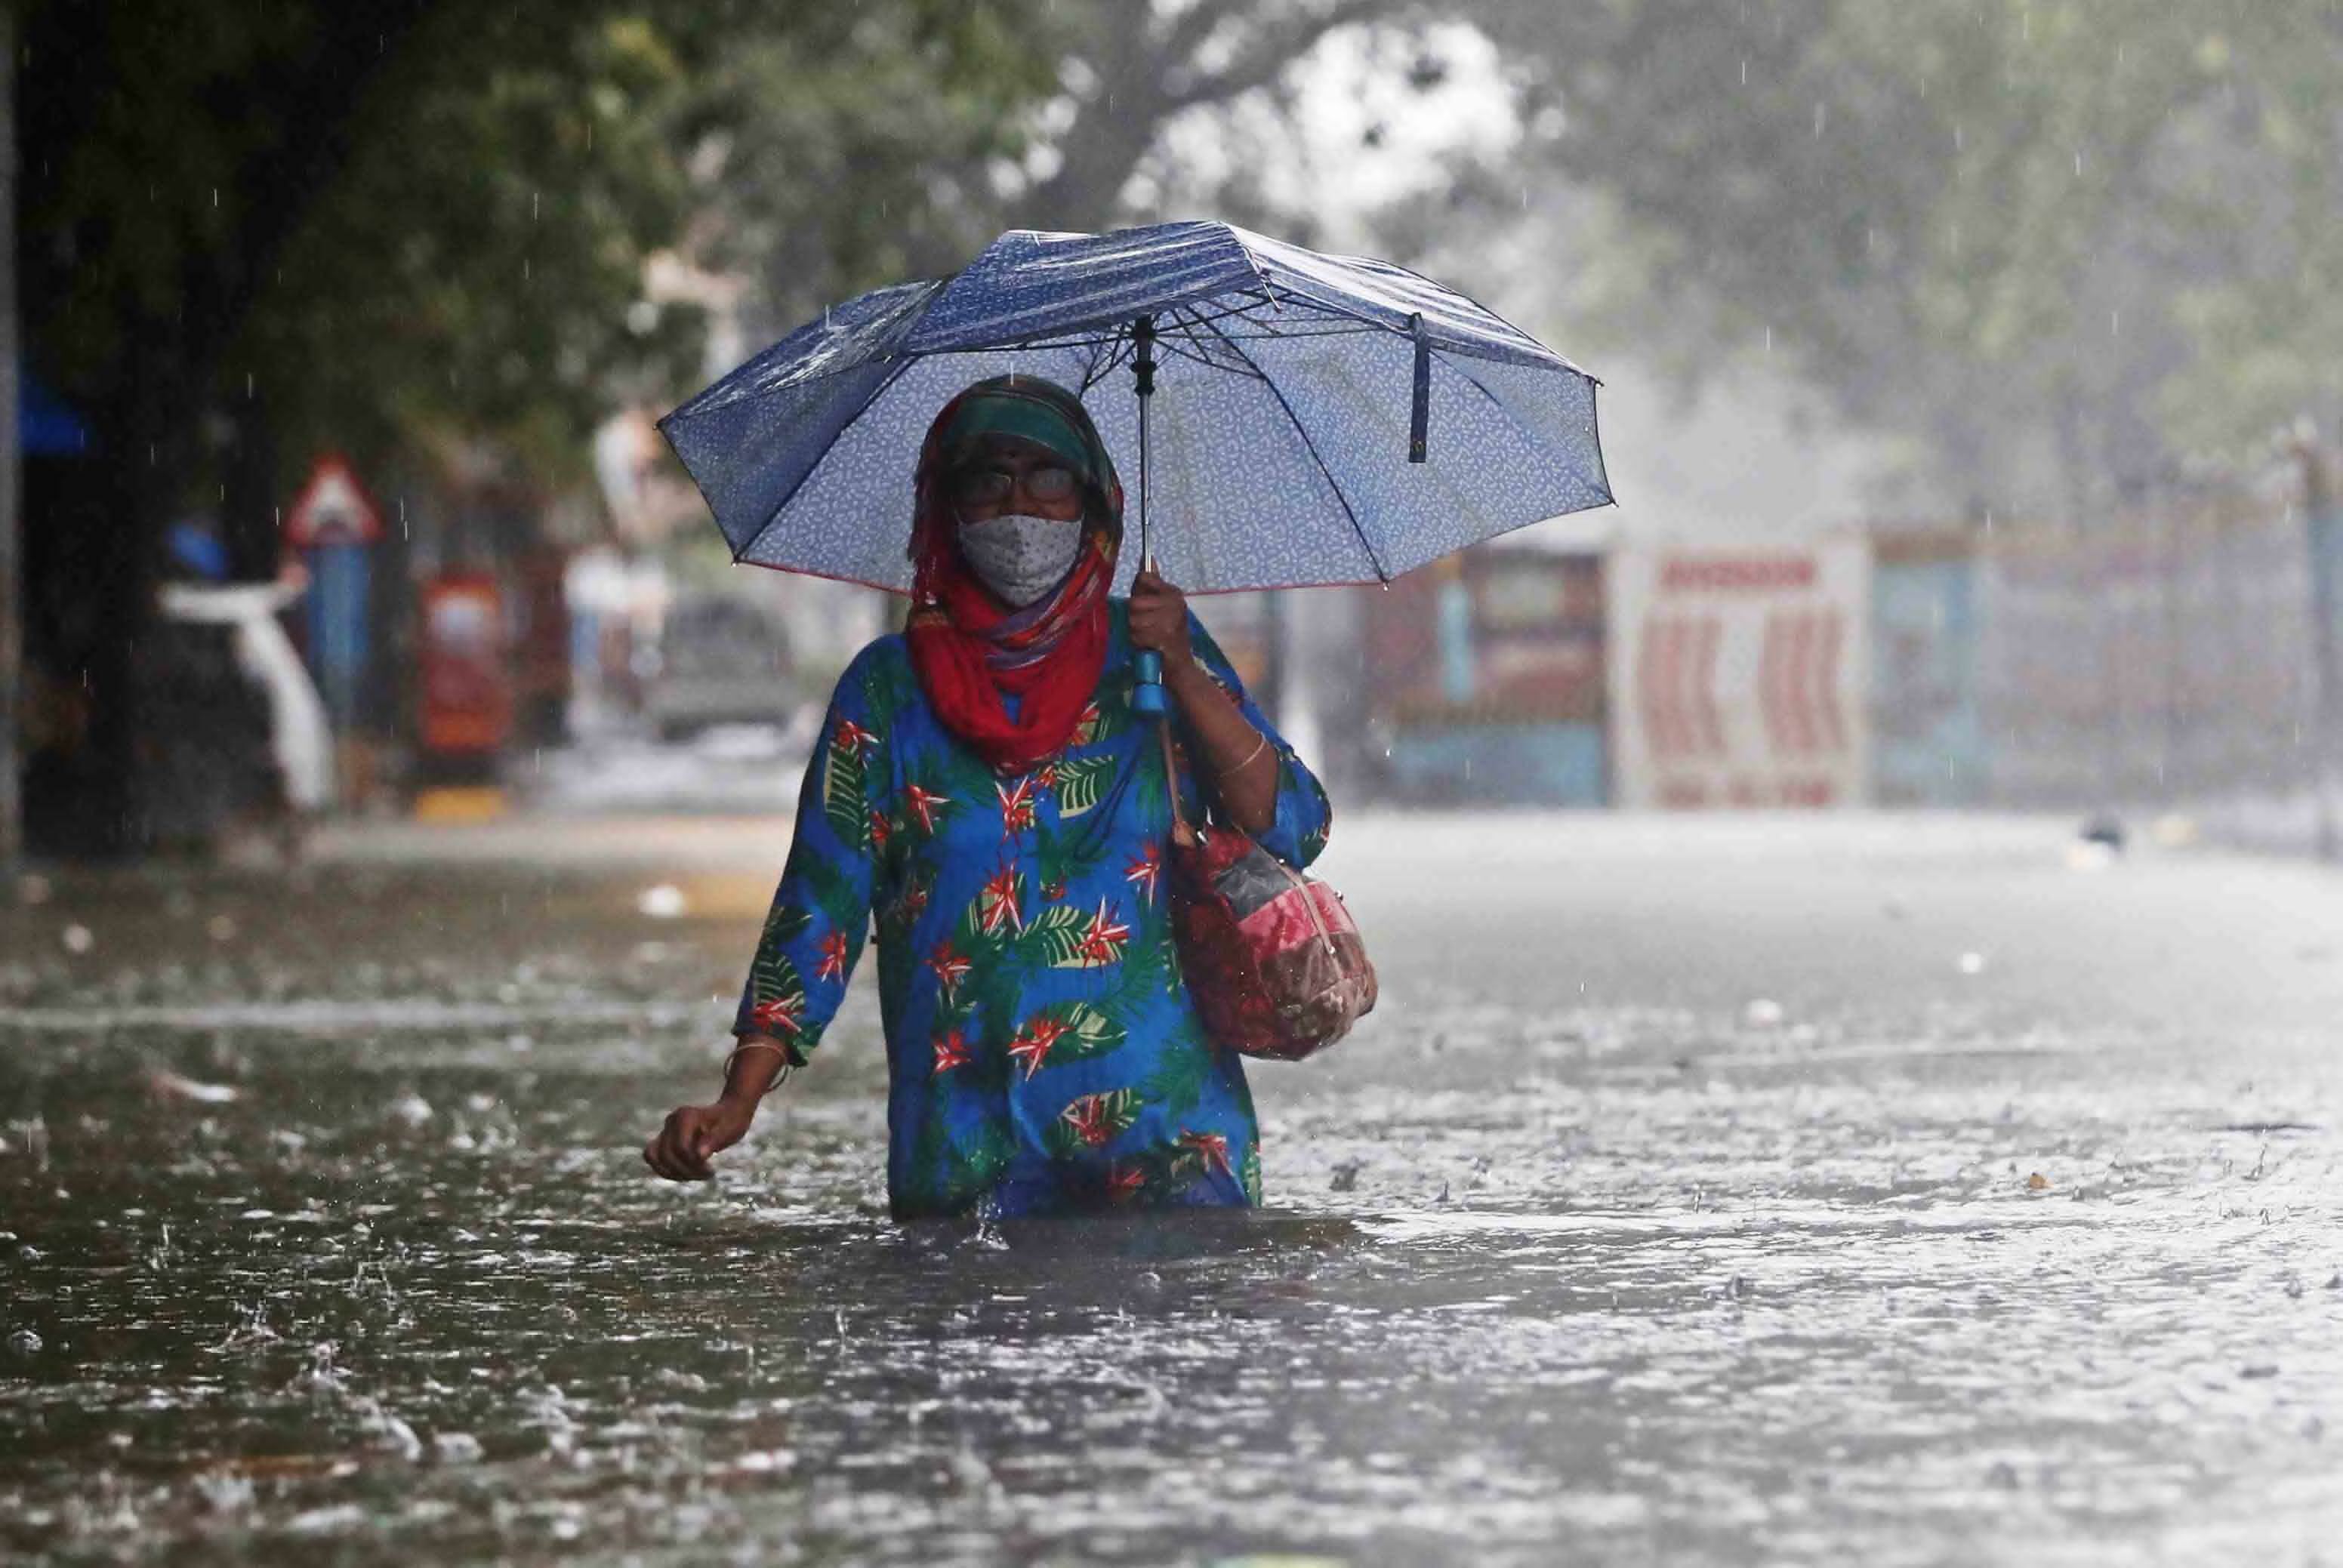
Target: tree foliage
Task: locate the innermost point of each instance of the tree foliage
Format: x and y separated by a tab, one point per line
2103	221
388	222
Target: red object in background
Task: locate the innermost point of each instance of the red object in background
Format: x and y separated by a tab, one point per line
541	645
333	508
467	698
1537	641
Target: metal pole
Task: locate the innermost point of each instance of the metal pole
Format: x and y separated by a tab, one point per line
1147	696
12	834
2326	542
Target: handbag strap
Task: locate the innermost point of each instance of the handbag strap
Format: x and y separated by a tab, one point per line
1182	834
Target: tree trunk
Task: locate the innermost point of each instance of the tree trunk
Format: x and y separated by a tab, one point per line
12	840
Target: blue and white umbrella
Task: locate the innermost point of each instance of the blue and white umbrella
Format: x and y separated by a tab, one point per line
1315	419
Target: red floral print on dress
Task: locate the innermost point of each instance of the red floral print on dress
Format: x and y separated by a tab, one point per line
1104	940
923	804
1144	870
951	968
1032	1043
779	1013
1016	807
1096	1119
832	966
998	904
1211	1147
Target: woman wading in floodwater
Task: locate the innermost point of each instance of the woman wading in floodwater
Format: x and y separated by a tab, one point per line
984	791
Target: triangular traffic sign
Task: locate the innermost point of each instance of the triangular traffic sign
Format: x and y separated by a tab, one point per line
332	508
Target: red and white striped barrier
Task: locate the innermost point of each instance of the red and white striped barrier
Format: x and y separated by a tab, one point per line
1739	676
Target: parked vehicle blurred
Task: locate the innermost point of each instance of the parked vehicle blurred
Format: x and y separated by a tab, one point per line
722	660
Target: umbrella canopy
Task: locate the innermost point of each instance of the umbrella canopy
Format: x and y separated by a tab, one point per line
1279	430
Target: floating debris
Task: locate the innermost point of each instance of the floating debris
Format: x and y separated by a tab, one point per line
165	1084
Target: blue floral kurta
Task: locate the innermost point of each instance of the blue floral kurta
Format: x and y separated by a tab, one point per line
1040	1043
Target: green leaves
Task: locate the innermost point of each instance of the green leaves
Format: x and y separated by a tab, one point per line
1082	784
1065	938
888	686
1054	939
835	892
777	998
1066	1031
842	803
1064	855
783	923
1177	1084
1091	1122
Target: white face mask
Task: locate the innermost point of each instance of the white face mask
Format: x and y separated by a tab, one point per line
1020	558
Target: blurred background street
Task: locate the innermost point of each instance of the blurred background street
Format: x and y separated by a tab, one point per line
1968	389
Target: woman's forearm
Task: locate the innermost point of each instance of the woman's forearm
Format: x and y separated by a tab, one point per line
1239	762
757	1063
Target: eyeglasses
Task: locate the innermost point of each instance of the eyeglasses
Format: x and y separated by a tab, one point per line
990	486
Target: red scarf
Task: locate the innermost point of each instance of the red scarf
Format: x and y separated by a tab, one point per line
968	651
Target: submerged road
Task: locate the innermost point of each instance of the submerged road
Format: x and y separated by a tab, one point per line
1705	1190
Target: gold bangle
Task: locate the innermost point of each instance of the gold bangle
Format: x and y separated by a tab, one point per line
775	1046
1260	746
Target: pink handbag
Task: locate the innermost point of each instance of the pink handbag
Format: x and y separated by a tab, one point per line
1272	958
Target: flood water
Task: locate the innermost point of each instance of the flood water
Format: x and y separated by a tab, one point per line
1703	1192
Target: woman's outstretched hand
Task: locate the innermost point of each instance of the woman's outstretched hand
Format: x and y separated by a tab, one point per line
1158	620
692	1133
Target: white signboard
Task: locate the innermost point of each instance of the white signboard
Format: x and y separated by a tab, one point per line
1738	675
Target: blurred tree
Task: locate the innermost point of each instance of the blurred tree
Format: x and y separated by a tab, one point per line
2088	227
383	225
1128	71
861	146
1036	114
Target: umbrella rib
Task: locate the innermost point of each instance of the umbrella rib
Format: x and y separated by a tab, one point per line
1190	321
1250	303
1529	437
1372	560
1537	353
1101	365
1362	330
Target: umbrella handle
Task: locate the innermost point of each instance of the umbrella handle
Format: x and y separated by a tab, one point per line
1147	693
1147	672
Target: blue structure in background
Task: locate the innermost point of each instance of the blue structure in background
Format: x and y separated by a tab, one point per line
1551	764
1928	746
340	585
45	426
